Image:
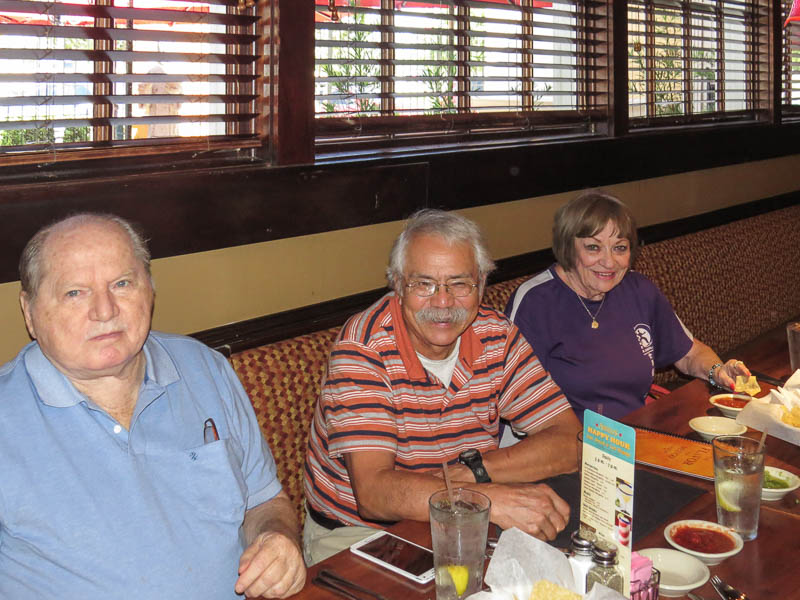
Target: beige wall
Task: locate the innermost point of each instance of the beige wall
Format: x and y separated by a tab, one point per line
209	289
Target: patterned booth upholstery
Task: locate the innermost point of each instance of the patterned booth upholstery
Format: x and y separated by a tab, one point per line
728	284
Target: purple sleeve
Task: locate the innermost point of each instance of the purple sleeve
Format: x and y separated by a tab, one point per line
673	339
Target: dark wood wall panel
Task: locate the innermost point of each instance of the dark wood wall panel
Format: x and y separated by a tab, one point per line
185	209
206	210
486	176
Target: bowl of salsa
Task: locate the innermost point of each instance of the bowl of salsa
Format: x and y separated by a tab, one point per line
730	404
710	542
778	483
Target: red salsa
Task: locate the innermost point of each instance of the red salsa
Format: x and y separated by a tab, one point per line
731	402
700	539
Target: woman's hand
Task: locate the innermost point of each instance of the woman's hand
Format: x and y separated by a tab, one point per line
725	375
701	362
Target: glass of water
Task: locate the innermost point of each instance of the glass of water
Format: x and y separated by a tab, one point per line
738	477
459	529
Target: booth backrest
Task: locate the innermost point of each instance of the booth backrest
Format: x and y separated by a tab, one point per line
728	284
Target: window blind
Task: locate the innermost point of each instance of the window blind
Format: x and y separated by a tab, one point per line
696	60
399	70
109	73
790	66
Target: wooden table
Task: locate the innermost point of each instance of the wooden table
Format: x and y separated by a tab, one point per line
760	568
764	569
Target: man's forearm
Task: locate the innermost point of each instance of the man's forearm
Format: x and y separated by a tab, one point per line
541	454
392	495
276	515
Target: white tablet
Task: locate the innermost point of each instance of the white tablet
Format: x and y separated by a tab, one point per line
398	555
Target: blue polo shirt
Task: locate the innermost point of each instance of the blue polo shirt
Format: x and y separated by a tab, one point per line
89	509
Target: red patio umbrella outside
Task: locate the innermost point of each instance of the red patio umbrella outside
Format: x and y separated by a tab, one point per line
322	16
794	14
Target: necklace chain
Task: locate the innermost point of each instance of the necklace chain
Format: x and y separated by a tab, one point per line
595	324
593	317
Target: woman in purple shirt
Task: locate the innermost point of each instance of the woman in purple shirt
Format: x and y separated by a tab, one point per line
599	328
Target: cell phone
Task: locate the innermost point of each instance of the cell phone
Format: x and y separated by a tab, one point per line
398	555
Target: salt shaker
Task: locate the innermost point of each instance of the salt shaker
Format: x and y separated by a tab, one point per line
580	559
604	570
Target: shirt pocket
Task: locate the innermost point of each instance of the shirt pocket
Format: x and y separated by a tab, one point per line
208	478
487	415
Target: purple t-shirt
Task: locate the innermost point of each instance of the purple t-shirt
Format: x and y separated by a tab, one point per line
612	365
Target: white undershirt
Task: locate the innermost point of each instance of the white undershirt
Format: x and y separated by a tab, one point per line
443	369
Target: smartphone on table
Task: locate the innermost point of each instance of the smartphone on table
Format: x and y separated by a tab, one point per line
398	555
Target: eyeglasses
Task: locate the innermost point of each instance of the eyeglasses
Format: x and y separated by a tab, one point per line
425	289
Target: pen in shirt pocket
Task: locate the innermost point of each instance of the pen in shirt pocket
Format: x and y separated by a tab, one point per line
210	432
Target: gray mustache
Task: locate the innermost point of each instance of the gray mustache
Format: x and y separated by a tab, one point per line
453	314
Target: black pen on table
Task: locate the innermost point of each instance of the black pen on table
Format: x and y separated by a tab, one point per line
210	431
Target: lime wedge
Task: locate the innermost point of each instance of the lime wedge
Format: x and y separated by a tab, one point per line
728	493
460	576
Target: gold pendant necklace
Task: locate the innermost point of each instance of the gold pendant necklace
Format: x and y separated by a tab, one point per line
593	317
595	324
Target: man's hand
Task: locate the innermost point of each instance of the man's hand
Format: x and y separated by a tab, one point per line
534	508
272	567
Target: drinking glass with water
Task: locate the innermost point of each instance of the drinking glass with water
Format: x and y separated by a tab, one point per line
459	527
738	477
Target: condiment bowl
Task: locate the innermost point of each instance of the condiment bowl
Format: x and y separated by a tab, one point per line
772	494
709	558
711	427
680	573
729	411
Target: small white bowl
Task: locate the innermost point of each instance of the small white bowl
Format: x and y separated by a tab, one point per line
680	573
729	411
711	427
709	559
772	494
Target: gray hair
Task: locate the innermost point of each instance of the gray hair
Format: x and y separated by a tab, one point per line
451	226
31	267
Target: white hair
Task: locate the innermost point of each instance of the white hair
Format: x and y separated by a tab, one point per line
452	227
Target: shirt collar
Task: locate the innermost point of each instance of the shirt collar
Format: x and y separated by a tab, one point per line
468	353
55	389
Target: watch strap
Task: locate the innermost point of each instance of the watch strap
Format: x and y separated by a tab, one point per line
475	464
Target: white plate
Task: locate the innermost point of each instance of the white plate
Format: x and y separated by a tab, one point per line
709	559
771	494
680	572
711	427
729	411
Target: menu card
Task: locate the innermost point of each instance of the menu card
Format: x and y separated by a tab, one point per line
607	473
674	453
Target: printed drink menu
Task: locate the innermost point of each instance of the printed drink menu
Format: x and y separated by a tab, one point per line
607	480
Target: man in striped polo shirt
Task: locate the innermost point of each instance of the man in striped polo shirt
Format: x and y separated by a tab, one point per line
423	377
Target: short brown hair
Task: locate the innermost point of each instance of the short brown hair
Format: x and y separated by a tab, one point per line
587	215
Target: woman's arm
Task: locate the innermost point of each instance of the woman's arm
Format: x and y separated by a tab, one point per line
702	362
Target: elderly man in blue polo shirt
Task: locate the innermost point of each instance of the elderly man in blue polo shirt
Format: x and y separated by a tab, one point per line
131	462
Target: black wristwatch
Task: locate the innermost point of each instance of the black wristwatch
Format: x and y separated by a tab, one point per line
472	459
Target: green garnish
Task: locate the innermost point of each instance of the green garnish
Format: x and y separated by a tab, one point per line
774	483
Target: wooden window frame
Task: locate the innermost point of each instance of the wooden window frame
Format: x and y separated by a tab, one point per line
288	122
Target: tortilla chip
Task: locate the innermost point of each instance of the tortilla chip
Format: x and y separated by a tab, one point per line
747	385
791	417
547	590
